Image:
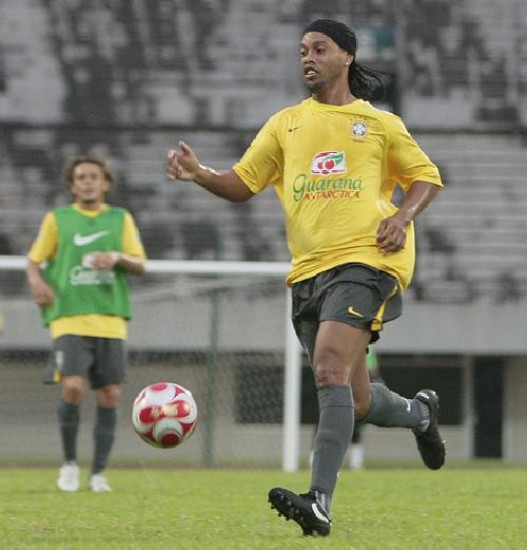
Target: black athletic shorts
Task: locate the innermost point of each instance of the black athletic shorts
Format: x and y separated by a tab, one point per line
355	294
101	360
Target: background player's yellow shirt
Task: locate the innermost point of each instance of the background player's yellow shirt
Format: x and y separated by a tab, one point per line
335	169
102	326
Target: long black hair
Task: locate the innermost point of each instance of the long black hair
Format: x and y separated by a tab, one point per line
366	83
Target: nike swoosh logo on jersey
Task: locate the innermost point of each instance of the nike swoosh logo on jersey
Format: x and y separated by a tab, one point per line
295	128
83	240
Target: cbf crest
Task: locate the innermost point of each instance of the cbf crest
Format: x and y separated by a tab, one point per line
359	129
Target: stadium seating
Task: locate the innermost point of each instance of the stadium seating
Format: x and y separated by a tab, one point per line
129	80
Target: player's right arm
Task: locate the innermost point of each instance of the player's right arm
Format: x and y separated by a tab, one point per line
42	293
183	165
41	250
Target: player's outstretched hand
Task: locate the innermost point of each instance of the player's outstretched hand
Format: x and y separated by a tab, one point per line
182	163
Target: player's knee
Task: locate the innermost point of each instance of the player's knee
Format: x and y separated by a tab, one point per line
109	396
73	393
329	377
73	389
330	369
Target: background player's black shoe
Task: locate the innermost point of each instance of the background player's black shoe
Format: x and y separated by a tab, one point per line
429	442
304	509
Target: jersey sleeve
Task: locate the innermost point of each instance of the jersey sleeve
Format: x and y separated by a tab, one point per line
407	162
45	245
132	243
261	163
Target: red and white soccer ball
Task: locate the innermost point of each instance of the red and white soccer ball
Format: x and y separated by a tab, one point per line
164	414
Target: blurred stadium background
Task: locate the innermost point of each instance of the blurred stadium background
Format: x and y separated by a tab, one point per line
129	78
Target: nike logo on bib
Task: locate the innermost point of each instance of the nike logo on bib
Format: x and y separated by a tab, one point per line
83	240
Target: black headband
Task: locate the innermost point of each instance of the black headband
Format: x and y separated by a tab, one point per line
341	34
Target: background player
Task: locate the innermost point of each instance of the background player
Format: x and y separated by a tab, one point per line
87	247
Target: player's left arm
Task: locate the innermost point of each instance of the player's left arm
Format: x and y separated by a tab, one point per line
391	235
419	178
132	258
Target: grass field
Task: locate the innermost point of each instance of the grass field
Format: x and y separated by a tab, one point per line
456	508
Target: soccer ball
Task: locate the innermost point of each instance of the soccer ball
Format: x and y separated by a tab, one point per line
164	414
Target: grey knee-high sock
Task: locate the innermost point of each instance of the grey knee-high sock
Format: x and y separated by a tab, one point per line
69	418
335	427
104	436
389	409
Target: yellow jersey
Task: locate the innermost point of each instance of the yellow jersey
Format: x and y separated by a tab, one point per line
335	169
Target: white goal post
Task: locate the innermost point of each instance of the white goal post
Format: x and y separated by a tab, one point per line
292	352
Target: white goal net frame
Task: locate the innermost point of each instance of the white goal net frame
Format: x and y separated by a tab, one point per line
292	352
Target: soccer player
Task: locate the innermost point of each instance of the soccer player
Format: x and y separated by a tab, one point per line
335	161
87	247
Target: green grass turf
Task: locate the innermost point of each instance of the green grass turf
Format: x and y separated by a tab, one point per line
455	508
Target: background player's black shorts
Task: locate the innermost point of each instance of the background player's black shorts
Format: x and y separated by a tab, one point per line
101	360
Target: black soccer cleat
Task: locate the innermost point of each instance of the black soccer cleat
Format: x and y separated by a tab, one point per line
304	509
429	443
